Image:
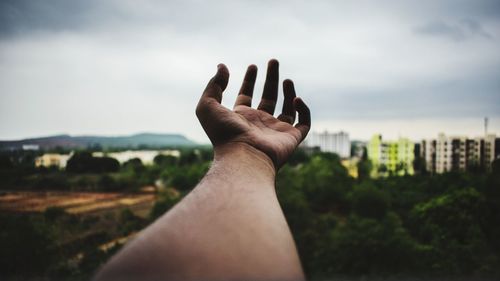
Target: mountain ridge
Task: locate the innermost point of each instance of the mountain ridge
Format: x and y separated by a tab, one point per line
150	140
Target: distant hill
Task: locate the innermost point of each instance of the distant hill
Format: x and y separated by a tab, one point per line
133	141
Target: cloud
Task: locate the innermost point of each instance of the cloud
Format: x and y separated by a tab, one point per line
123	66
459	31
25	16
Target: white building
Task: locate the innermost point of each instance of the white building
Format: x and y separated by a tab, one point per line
146	156
330	142
459	153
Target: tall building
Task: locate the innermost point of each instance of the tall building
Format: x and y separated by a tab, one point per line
391	157
459	153
331	142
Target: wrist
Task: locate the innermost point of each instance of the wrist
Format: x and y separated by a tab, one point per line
244	159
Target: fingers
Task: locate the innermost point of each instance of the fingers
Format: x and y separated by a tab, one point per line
288	112
217	84
270	94
246	90
304	117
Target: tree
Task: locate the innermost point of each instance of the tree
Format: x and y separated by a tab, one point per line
165	160
364	169
326	183
27	248
134	163
52	213
5	162
166	200
451	224
370	202
129	222
365	246
84	162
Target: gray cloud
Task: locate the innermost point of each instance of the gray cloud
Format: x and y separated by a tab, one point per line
26	16
124	66
461	30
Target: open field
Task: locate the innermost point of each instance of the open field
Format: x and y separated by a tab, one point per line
80	203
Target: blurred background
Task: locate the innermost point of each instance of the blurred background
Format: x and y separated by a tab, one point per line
399	176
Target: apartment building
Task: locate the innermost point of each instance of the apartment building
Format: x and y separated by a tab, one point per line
459	153
391	157
331	142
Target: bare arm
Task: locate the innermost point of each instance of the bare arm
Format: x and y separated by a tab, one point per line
230	227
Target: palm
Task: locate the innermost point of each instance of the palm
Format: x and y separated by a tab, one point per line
276	137
266	133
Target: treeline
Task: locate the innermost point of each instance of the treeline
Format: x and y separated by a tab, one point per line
441	225
85	172
415	226
411	226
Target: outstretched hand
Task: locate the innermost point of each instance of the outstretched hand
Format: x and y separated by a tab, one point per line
276	138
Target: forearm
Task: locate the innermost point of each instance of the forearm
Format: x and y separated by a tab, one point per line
229	227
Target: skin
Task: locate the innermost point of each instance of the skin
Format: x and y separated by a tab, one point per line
231	226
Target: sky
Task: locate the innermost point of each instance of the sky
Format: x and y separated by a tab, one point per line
399	68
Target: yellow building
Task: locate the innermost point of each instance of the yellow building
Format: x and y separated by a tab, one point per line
352	166
391	157
53	160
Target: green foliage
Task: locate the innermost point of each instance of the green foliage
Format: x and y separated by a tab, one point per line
184	177
326	183
53	213
5	162
495	167
364	168
107	183
128	222
451	224
27	247
370	202
363	246
84	162
298	156
411	225
166	200
165	160
134	164
52	180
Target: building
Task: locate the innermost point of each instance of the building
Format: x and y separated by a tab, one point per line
351	166
391	157
459	153
146	156
331	142
33	147
53	160
428	154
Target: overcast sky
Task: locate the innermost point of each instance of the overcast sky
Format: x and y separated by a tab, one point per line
401	68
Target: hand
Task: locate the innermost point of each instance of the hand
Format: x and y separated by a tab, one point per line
276	138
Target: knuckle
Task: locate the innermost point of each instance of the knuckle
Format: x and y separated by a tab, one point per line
203	107
200	110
